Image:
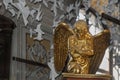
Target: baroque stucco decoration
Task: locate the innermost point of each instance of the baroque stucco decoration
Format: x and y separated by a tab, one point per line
22	8
19	8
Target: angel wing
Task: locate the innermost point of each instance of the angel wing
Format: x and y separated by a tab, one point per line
100	43
62	32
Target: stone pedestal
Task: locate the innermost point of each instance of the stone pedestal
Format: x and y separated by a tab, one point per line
71	76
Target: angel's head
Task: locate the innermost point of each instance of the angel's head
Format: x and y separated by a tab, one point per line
80	28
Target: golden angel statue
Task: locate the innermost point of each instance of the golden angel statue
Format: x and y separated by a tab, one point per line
86	51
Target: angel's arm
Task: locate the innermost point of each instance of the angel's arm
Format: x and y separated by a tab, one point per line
87	52
72	46
87	47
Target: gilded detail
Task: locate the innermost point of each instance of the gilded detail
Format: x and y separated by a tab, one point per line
81	49
86	51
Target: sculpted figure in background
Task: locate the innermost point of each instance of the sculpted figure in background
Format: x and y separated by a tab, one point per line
80	46
86	51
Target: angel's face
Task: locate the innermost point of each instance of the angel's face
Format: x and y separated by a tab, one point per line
80	29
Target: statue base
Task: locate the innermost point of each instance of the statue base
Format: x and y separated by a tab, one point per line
71	76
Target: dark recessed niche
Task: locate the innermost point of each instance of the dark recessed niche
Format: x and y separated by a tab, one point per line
6	28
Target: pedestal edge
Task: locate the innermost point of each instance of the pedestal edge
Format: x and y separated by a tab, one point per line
72	75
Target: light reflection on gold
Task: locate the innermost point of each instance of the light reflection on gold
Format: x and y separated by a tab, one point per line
86	51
